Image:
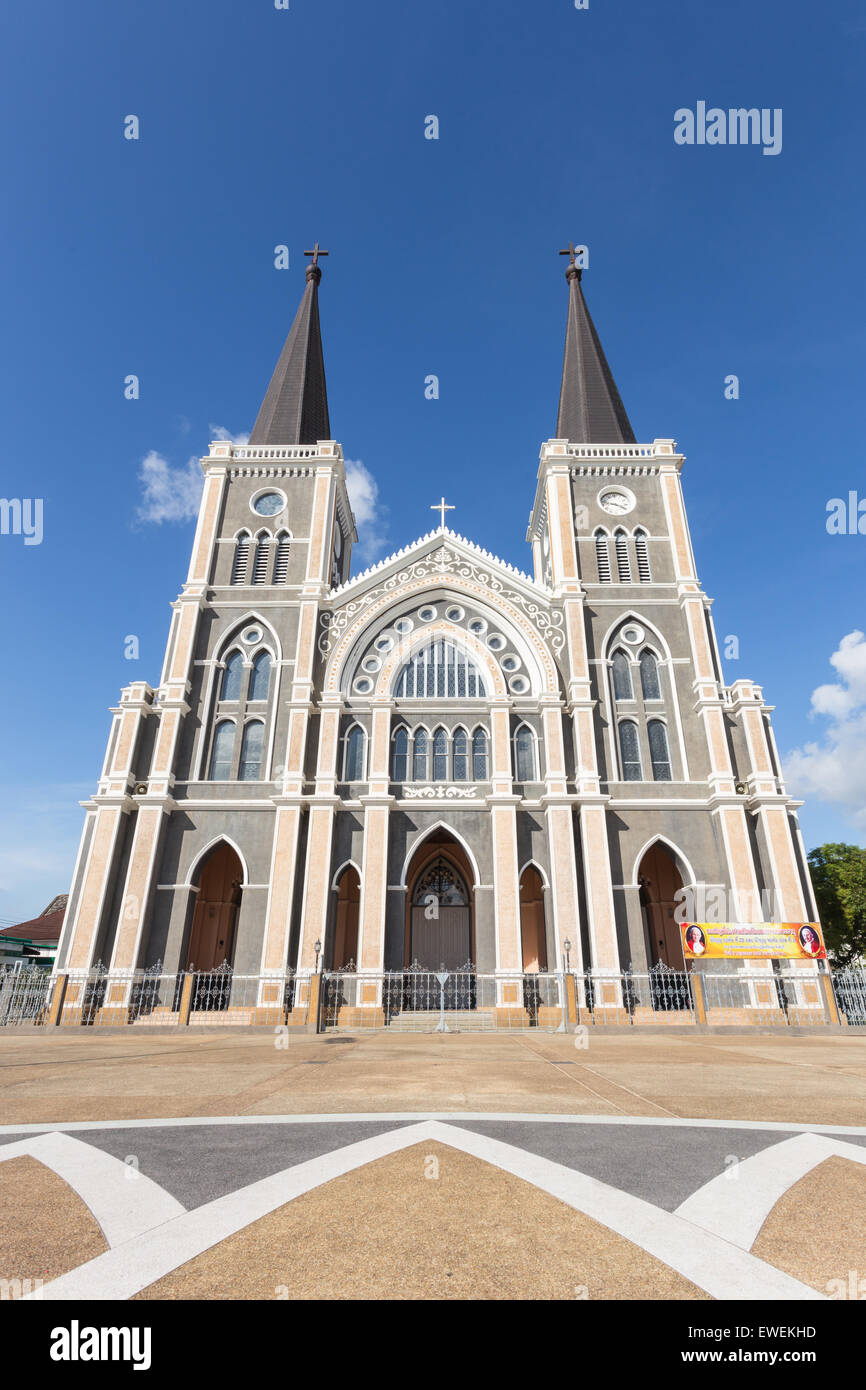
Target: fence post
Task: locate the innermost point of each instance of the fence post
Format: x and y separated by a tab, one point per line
829	998
570	1001
313	1009
185	1000
55	1005
699	997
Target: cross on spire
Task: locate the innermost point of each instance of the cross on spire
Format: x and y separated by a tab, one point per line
441	507
573	267
316	253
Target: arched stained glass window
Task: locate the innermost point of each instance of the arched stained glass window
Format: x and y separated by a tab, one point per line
659	751
440	756
420	756
480	761
440	671
629	746
524	755
260	678
232	677
252	748
622	686
400	759
649	676
354	771
223	747
460	754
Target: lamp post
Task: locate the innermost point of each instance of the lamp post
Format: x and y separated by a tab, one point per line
567	945
317	947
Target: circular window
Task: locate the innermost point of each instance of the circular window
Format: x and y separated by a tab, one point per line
363	685
427	614
496	641
518	685
268	503
454	614
404	625
633	634
384	643
253	634
371	663
510	663
478	626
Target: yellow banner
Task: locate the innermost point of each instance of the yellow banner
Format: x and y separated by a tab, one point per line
753	941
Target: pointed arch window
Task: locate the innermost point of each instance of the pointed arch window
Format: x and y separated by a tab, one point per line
641	549
460	753
400	756
629	747
260	562
480	760
420	755
223	747
281	559
241	558
602	557
260	677
659	751
524	755
649	676
440	671
623	562
440	756
622	686
355	747
252	750
233	676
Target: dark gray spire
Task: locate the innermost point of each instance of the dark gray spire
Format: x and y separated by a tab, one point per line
590	408
295	408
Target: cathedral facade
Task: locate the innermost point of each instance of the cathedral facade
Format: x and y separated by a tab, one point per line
441	759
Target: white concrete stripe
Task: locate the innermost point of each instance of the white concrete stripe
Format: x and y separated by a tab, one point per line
124	1201
736	1204
713	1264
416	1117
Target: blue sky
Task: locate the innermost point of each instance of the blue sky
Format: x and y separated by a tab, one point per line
261	127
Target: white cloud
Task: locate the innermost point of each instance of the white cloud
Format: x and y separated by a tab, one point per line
369	512
834	768
220	432
169	494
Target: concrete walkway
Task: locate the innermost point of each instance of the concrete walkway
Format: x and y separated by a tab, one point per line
114	1076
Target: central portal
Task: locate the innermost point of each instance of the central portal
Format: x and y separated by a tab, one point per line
439	927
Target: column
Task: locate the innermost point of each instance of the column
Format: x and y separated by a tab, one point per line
374	866
506	885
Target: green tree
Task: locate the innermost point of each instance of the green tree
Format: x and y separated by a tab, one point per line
839	877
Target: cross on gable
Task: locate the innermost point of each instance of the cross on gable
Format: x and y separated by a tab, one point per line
441	507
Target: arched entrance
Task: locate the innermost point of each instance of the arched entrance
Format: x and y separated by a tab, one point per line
439	926
660	880
346	926
214	918
532	933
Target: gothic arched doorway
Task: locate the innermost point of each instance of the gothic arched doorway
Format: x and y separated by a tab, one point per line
660	881
346	925
214	918
439	926
532	933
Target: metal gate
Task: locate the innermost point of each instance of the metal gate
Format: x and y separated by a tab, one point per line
23	993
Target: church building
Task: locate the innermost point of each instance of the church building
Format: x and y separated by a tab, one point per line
440	760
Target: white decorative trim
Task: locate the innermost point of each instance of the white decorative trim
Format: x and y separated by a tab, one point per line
433	793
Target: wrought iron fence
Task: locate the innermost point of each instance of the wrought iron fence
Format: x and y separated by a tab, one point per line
768	998
24	992
223	997
849	985
420	1000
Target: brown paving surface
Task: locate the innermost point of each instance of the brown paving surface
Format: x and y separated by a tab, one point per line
111	1075
817	1229
390	1231
45	1228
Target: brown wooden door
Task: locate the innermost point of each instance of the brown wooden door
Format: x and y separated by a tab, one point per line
212	937
442	940
660	881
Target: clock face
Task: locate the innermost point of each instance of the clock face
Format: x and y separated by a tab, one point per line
617	503
269	503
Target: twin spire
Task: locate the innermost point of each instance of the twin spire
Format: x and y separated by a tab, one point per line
295	408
